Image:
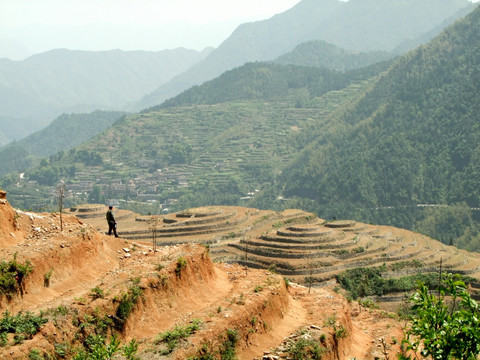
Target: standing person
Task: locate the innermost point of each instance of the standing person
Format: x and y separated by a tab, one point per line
112	224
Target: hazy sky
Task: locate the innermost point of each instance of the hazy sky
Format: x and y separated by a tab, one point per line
39	25
147	12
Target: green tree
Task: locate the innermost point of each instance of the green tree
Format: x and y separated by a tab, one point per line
96	196
180	153
447	325
446	222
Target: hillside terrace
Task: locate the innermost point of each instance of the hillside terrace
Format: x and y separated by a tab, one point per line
293	243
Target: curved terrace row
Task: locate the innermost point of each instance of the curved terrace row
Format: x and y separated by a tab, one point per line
294	242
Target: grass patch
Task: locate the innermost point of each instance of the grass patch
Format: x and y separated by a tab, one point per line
171	338
181	265
361	282
127	303
23	325
226	351
97	293
306	349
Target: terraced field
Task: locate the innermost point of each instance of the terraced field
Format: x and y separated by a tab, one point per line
293	242
229	145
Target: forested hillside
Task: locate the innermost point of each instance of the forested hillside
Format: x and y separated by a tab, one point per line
270	81
321	54
38	89
356	25
413	139
65	132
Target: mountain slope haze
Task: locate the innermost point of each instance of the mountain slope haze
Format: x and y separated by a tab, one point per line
360	25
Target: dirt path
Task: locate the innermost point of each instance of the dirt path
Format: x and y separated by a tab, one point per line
294	317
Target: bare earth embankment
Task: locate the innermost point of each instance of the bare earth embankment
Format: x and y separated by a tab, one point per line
81	277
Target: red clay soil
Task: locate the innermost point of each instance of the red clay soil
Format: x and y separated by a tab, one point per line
266	314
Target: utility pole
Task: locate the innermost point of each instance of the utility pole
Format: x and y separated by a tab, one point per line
246	242
61	196
154	229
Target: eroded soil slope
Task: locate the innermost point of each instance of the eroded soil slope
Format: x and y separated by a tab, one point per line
87	284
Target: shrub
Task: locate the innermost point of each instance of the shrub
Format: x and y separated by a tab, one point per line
35	354
228	350
203	354
127	303
96	348
361	282
130	349
305	349
13	275
181	264
62	350
339	332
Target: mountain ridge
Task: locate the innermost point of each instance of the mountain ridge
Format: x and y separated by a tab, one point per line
253	37
55	138
43	86
414	133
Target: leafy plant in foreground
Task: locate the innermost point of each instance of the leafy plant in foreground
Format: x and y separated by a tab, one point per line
96	348
447	325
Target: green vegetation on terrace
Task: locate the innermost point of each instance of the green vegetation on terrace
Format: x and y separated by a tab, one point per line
225	351
126	303
362	282
171	338
321	54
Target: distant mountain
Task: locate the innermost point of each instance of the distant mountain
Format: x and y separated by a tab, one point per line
35	90
356	25
65	132
413	43
12	49
321	54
